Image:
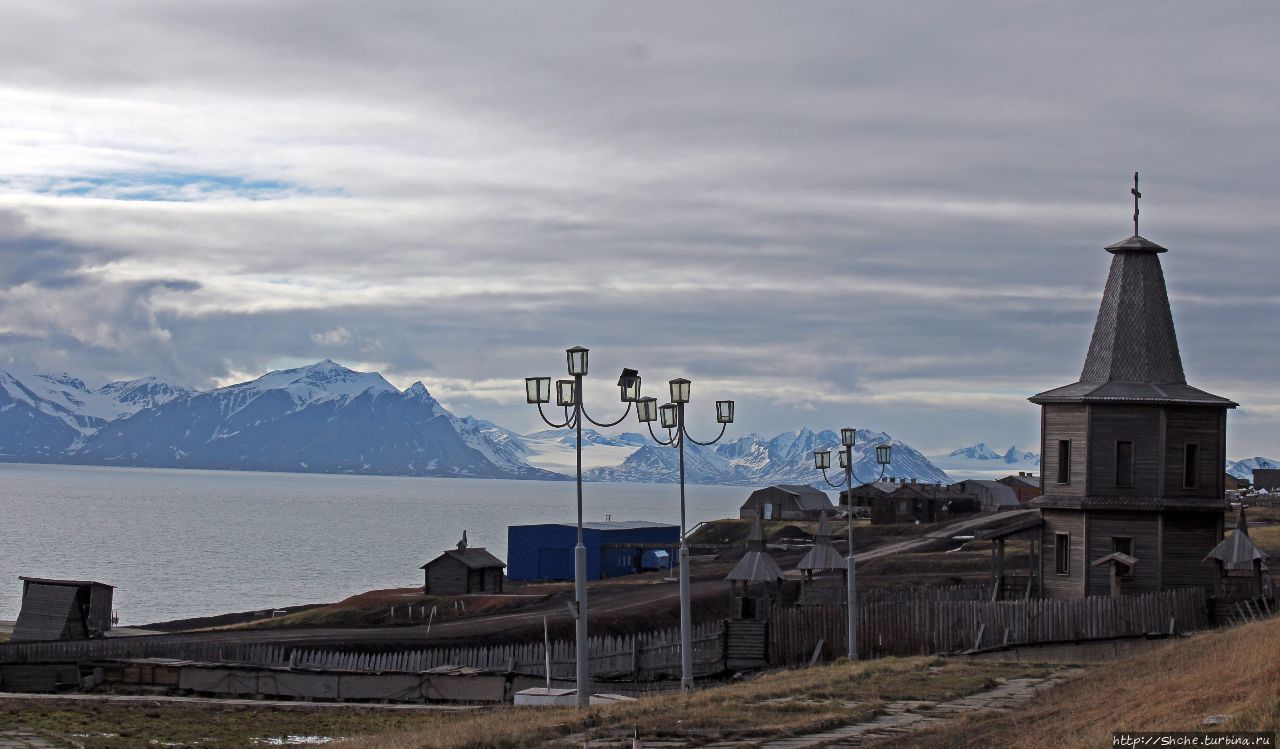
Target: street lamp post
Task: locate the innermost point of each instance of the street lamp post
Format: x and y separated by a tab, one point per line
671	417
569	396
822	461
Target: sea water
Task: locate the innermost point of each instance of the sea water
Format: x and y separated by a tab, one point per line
182	543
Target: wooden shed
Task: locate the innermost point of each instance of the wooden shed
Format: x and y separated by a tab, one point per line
463	570
1132	480
786	502
62	610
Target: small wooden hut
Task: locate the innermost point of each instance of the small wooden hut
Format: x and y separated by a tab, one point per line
754	582
1242	566
754	579
817	588
463	570
63	610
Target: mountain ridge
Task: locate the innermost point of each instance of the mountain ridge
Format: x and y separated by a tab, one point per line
324	417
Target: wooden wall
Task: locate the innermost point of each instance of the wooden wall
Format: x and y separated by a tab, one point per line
1137	424
1188	537
1053	584
1201	426
446	577
1144	529
1064	422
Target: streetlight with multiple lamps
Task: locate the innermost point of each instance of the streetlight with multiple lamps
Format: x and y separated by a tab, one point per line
822	461
569	396
671	417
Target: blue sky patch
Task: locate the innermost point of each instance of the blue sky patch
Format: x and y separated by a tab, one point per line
171	187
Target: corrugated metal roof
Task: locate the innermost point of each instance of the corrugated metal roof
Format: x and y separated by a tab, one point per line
612	525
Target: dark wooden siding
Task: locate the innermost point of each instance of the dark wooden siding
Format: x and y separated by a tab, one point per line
1060	521
1064	422
1137	424
1143	528
1202	427
446	577
1188	537
48	613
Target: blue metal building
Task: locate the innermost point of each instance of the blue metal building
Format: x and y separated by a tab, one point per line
545	551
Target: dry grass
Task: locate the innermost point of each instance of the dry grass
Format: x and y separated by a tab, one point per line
100	725
1234	672
1268	539
373	608
774	703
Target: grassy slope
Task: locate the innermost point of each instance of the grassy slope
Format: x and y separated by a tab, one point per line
815	698
1234	672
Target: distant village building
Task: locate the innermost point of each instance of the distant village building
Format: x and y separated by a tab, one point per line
62	610
1132	480
1266	478
935	503
1234	483
865	495
545	551
463	570
786	502
1025	485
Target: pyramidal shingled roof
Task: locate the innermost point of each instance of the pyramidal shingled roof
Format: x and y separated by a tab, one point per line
1133	356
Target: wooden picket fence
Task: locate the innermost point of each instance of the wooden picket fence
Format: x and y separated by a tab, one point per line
643	657
941	593
925	627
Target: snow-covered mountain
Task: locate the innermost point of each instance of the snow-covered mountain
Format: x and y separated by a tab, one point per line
753	460
327	418
981	462
1243	469
42	415
323	417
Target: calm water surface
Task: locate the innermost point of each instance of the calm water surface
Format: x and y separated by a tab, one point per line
181	543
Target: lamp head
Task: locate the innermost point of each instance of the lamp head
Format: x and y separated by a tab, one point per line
565	395
577	359
537	389
630	384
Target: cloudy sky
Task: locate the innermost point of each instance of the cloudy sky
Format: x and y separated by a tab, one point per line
883	214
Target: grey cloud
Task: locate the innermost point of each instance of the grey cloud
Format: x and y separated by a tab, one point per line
823	204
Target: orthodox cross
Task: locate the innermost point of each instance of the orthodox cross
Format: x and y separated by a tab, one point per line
1136	195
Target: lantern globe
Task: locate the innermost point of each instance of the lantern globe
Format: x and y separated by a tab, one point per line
884	454
844	458
537	389
577	359
668	415
821	459
848	436
679	390
565	393
724	412
629	382
647	410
